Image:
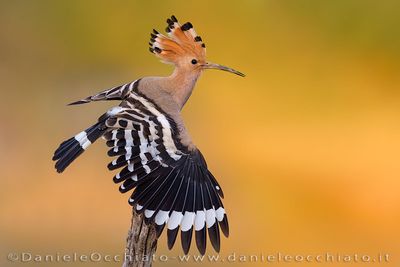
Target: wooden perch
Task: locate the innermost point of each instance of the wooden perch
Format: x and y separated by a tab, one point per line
141	242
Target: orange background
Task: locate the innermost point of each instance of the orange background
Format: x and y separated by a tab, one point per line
306	147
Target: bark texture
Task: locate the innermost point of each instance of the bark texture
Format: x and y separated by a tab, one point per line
141	243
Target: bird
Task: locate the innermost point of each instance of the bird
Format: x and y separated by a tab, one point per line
158	162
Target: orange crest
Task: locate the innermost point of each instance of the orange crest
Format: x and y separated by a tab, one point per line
182	42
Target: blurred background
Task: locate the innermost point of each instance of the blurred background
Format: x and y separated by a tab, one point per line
306	147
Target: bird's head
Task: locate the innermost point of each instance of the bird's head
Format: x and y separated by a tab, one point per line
183	48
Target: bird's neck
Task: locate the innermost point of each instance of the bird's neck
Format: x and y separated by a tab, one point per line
181	83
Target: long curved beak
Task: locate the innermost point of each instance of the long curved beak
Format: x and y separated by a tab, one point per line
210	65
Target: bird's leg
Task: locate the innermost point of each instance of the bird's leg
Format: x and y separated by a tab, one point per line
141	243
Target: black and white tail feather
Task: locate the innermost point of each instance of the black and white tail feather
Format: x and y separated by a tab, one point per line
172	184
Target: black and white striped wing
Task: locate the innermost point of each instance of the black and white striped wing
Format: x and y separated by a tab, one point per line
172	185
115	93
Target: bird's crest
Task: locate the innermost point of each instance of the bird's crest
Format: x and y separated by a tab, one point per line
181	41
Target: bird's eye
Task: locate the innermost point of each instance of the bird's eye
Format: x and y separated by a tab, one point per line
194	61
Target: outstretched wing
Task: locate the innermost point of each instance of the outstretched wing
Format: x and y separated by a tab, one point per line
172	185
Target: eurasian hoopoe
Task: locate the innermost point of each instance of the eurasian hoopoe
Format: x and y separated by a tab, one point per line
146	134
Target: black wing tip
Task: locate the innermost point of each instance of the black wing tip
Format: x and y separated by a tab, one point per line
186	238
121	190
61	165
66	153
171	236
201	240
214	237
111	167
112	153
71	148
224	225
202	251
159	229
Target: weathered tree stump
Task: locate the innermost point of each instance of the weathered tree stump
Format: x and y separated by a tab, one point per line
141	242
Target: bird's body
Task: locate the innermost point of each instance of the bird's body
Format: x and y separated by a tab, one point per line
158	159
